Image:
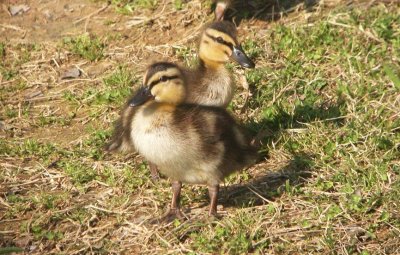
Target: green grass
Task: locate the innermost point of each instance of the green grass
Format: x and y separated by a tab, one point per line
11	61
88	47
325	93
178	4
186	55
10	250
2	50
127	7
115	88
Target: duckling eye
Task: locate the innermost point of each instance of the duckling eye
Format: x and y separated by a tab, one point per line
163	78
220	40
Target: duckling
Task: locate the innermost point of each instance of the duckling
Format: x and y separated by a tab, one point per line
210	83
189	143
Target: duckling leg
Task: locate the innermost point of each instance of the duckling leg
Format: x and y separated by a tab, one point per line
154	171
213	191
174	211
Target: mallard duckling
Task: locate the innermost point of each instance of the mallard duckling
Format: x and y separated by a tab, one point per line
189	143
210	83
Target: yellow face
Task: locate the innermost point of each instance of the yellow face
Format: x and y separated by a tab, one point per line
163	82
216	46
167	86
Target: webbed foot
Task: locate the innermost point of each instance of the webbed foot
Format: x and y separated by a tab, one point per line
170	216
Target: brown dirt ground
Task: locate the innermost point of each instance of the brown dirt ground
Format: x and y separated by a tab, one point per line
46	23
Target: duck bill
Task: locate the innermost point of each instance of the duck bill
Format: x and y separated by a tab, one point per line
142	96
239	56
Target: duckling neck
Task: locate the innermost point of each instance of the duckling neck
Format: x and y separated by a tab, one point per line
211	85
211	65
154	108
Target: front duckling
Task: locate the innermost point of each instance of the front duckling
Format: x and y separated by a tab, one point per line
211	83
189	143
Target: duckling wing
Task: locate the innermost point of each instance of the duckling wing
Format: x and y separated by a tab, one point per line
238	152
223	141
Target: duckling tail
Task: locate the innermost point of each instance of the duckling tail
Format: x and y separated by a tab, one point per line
120	140
256	144
119	144
117	138
253	155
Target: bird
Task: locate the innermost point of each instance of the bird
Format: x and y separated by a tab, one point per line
210	82
189	143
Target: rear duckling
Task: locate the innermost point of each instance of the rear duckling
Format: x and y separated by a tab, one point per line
210	83
189	143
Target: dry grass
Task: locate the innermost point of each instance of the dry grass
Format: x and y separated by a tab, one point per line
325	95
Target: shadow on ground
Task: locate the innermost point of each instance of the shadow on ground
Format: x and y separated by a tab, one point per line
272	184
266	10
270	127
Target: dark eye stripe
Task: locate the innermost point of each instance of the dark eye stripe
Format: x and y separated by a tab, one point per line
167	79
230	45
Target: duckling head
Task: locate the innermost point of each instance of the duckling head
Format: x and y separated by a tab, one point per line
162	82
219	43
